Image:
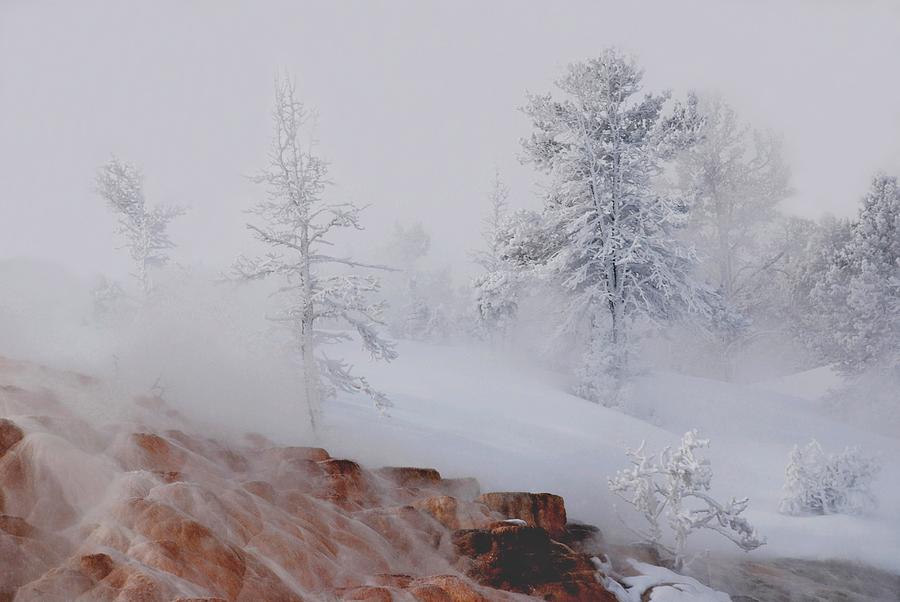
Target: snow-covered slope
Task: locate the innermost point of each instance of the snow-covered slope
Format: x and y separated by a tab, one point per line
810	384
470	412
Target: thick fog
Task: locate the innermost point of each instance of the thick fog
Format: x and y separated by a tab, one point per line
531	331
417	103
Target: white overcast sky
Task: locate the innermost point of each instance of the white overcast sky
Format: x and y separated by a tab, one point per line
417	102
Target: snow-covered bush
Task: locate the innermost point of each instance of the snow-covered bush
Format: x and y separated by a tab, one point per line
654	583
821	483
672	488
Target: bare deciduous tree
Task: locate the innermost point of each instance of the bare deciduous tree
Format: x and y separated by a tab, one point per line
144	228
326	298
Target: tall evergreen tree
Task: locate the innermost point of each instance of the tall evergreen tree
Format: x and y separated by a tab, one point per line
497	290
603	146
856	298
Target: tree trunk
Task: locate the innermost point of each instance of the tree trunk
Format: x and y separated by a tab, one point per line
311	384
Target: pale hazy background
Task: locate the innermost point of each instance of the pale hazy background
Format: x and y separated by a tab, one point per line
417	103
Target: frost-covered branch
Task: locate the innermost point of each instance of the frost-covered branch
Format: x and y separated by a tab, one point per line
662	487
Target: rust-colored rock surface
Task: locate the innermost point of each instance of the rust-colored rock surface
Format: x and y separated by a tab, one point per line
407	483
407	476
543	510
525	559
456	514
10	434
145	507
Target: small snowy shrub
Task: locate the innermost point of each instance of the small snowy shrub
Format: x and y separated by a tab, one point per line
821	483
672	487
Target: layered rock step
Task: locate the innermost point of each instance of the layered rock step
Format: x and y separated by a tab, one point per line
134	512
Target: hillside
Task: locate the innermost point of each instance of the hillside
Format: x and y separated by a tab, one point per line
510	425
146	509
111	496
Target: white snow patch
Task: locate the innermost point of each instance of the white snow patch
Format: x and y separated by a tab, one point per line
668	586
471	412
811	385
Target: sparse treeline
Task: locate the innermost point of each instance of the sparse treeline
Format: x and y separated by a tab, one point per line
660	229
323	298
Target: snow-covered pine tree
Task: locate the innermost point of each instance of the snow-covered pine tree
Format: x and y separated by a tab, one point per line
734	177
496	291
603	147
325	296
824	247
489	258
856	296
144	228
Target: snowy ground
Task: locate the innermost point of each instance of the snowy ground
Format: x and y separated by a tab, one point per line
811	384
468	412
